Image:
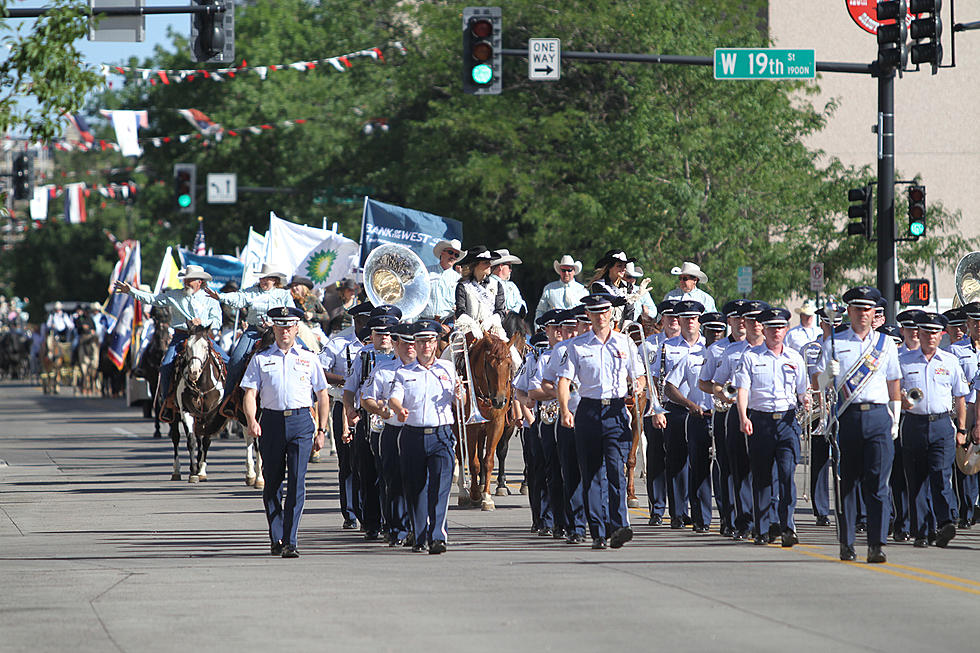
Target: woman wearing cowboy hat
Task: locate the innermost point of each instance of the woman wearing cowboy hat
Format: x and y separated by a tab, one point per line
610	278
564	293
479	296
688	276
189	306
501	270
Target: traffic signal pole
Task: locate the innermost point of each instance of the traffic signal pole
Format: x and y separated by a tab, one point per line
886	190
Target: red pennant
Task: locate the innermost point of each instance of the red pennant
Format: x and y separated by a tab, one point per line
381	57
163	76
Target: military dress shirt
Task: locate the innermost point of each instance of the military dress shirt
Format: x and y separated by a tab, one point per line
601	368
285	380
850	348
940	379
774	381
427	393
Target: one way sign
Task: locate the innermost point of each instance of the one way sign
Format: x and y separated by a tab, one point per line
544	59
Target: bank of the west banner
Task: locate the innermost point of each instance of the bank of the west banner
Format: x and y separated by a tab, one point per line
417	230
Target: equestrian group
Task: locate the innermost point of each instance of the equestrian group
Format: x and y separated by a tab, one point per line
714	405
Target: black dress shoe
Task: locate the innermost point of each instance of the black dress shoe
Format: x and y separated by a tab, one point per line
558	534
410	540
372	536
775	530
861	528
350	524
544	531
289	551
823	520
276	548
655	520
395	541
964	524
847	553
620	537
599	543
726	531
418	548
789	538
575	538
760	539
700	528
945	533
921	543
437	547
686	519
676	522
738	536
875	554
932	538
900	536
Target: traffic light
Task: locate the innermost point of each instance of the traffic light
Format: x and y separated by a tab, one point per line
23	175
185	178
860	209
892	51
917	211
482	60
213	34
913	292
925	31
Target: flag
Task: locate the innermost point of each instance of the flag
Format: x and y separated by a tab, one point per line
419	231
200	121
121	311
199	247
39	203
320	254
75	203
222	267
167	276
252	256
127	123
78	123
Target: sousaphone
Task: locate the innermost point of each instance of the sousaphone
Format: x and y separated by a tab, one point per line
967	280
394	274
968	458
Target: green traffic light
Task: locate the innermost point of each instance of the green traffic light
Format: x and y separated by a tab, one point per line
184	201
917	228
482	74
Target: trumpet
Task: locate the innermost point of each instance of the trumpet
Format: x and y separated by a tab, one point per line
549	412
914	395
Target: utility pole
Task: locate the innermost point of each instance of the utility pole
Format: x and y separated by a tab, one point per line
886	190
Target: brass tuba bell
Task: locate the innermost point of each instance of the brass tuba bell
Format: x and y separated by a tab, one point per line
967	280
394	274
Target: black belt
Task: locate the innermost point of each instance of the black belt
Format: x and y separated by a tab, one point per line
932	417
774	416
616	401
426	430
676	407
866	405
287	413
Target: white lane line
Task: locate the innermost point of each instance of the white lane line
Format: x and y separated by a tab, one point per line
122	431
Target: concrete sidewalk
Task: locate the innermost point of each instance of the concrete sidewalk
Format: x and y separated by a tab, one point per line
100	551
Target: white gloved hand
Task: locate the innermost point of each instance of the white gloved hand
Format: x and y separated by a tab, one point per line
826	378
895	410
833	367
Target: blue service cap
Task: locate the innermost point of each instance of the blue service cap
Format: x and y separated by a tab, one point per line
382	323
284	315
773	317
880	305
364	308
893	331
731	308
864	296
714	320
581	314
549	317
972	310
957	316
387	309
753	307
427	328
666	307
907	318
404	331
931	321
568	317
600	302
539	339
688	308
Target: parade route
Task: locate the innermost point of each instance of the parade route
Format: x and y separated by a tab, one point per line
100	551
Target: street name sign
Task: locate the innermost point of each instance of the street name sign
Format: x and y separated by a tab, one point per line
222	188
764	63
544	60
744	277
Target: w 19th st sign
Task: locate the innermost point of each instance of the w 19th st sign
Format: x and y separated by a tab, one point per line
544	59
764	63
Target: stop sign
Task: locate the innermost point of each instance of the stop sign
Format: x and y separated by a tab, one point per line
865	14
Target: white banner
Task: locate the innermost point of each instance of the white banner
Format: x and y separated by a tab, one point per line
39	203
320	254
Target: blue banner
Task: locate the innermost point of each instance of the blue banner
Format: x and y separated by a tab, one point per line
223	268
416	230
121	311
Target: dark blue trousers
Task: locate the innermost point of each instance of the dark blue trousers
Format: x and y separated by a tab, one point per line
374	440
656	468
236	358
928	452
820	475
571	480
537	479
866	460
699	466
738	460
602	440
899	490
395	509
427	458
722	476
349	505
967	492
285	445
774	441
675	442
553	476
367	473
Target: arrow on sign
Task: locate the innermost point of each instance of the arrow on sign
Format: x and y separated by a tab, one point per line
546	71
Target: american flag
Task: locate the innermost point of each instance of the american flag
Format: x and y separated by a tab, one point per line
199	247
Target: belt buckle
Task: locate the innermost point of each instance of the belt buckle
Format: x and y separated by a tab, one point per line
605	402
428	431
287	413
864	406
778	416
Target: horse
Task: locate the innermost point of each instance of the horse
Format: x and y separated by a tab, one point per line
88	362
150	368
492	366
199	376
113	378
54	355
513	324
15	353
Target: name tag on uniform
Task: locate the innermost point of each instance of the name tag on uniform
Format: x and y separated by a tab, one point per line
268	364
302	362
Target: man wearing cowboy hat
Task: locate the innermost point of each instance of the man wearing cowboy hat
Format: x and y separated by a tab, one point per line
501	269
807	331
564	293
60	322
443	278
189	306
689	275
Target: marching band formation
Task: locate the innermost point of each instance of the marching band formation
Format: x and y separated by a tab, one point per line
725	405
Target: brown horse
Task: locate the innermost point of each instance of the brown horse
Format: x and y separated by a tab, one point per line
54	355
492	368
200	377
88	363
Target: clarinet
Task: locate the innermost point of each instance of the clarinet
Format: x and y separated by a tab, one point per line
662	381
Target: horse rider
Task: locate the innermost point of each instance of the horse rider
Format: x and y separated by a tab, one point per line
644	302
870	400
772	381
807	330
601	361
266	293
232	319
967	350
502	269
191	306
564	293
366	439
927	434
285	378
301	288
374	398
60	323
337	302
479	296
443	278
610	278
422	397
338	359
688	276
656	469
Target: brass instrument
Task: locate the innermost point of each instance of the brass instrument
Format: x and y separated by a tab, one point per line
635	331
394	274
914	396
368	360
966	280
458	348
549	411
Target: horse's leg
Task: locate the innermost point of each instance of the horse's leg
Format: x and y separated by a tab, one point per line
175	438
188	422
249	464
259	478
631	500
502	447
494	431
474	442
203	444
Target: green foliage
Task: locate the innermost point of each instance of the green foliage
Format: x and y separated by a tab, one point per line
45	65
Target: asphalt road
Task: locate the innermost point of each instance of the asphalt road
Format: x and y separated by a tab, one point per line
100	551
